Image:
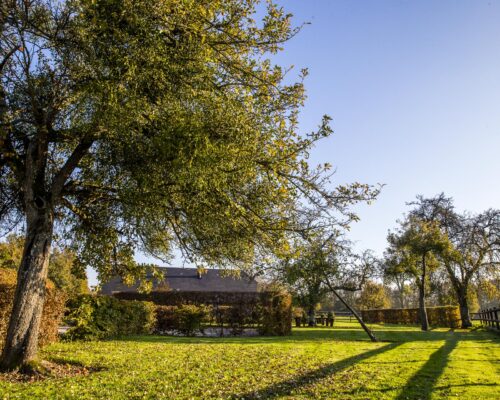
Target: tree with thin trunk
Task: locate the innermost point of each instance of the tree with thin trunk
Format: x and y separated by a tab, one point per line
321	263
146	126
414	249
475	240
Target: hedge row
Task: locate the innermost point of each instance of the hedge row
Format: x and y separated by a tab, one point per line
100	317
52	314
444	316
269	312
177	298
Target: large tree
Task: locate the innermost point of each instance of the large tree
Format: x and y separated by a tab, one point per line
475	239
144	125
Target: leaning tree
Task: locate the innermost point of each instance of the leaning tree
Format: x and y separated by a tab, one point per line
143	126
321	263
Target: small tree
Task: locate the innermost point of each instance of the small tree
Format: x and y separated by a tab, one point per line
414	249
373	295
323	263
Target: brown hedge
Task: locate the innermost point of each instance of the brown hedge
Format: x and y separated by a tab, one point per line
444	316
270	312
53	308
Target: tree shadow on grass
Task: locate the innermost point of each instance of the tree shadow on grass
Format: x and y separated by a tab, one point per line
285	388
421	385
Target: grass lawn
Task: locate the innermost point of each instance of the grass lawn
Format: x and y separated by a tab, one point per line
318	363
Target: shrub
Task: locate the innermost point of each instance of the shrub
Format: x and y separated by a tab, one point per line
99	317
165	319
277	314
445	316
52	313
189	318
270	312
186	319
297	312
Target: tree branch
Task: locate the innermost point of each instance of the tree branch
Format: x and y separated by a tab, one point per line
71	163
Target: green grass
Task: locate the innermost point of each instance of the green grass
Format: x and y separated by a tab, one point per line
320	363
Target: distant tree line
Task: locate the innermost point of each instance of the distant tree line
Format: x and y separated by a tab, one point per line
436	256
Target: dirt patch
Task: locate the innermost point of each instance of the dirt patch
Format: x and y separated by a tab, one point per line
45	369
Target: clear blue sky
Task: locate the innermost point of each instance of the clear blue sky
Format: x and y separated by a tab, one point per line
413	88
414	91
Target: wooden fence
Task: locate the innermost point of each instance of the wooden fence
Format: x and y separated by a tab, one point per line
489	318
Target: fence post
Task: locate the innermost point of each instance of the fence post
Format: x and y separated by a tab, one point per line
496	317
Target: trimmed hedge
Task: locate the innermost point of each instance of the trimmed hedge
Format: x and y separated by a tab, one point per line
53	309
100	317
270	312
277	314
444	316
187	319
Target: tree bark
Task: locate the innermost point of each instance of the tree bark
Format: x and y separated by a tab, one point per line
423	311
311	316
401	299
21	343
464	307
421	298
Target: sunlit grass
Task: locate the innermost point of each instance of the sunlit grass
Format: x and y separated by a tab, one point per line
318	363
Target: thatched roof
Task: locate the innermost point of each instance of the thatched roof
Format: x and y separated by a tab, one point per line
189	280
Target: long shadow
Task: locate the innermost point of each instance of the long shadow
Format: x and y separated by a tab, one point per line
421	385
285	388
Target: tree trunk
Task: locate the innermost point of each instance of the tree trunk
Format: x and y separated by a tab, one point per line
311	314
356	315
421	297
423	311
464	307
21	342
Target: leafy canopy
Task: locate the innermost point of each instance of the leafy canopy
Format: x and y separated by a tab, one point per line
147	125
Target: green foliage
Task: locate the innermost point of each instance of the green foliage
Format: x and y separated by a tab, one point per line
53	308
297	312
65	275
322	263
180	130
186	318
277	315
63	272
100	317
321	363
11	251
190	318
415	249
270	311
373	295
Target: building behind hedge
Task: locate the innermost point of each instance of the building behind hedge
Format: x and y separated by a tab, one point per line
190	280
236	302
